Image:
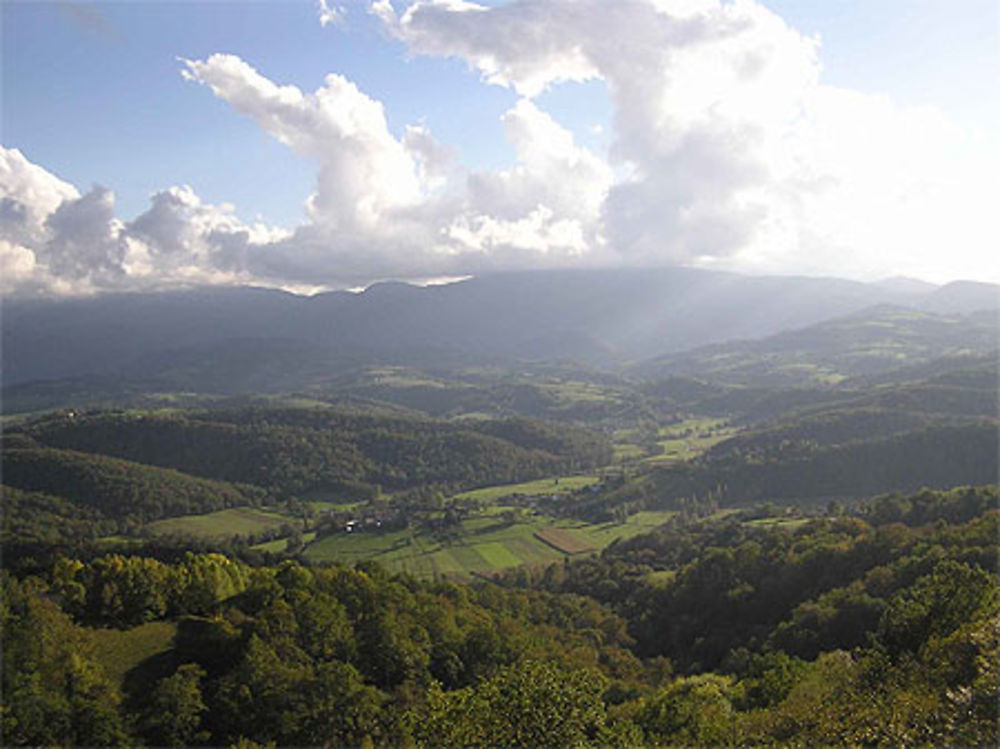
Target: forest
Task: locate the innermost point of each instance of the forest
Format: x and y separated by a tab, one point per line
875	627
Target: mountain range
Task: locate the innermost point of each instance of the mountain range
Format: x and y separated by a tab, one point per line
602	318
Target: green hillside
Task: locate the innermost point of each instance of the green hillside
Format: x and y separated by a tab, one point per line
120	490
856	627
307	449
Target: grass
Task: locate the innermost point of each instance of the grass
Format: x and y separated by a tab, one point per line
627	451
232	522
320	505
120	651
399	377
676	442
574	391
660	577
497	555
480	545
564	540
541	487
689	438
278	545
786	523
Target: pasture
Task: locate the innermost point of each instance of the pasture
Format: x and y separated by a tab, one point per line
539	488
689	438
480	545
563	540
786	523
232	522
278	545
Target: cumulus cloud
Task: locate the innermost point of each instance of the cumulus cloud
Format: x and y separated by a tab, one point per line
726	150
29	195
704	95
548	202
363	170
329	14
401	207
55	240
85	239
734	153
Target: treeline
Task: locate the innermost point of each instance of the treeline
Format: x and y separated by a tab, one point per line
300	450
939	456
804	433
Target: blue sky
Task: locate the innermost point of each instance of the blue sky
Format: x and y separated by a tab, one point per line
93	93
138	126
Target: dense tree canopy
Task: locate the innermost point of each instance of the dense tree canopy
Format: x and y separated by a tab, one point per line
838	631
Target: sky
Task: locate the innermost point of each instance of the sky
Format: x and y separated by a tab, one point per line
316	145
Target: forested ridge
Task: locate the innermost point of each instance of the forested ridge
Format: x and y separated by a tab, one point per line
843	456
118	489
295	450
875	627
107	472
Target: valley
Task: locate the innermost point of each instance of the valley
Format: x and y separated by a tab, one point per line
728	543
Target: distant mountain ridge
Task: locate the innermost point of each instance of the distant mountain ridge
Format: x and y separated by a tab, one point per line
597	317
862	344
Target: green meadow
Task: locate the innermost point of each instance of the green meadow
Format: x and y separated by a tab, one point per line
539	488
278	545
788	523
479	546
123	651
232	522
689	438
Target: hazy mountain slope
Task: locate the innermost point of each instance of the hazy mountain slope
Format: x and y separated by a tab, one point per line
876	340
45	339
600	316
963	297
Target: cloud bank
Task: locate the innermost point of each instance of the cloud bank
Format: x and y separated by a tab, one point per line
726	151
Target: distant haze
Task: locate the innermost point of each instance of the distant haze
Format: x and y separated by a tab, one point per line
606	318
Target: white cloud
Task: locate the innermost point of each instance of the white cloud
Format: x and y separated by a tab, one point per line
401	207
28	194
512	45
85	239
726	150
363	170
17	266
539	232
703	94
329	14
548	203
732	151
434	160
55	240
